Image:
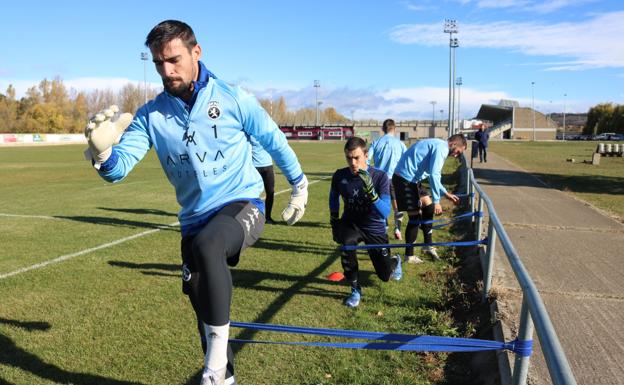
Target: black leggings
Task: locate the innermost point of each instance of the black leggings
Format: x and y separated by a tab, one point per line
206	256
411	232
268	177
351	234
206	278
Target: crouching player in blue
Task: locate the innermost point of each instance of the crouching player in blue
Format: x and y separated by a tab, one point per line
200	128
424	160
365	192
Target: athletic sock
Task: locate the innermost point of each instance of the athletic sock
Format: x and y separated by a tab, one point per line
216	347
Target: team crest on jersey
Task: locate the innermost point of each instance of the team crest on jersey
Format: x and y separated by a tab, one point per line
344	181
213	110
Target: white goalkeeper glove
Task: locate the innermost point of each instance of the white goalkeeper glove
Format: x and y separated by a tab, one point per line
297	203
102	133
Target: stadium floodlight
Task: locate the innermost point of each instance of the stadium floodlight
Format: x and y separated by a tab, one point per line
144	58
450	27
533	106
454	44
459	83
433	103
317	85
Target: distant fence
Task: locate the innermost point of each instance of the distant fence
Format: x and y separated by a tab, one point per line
533	312
35	139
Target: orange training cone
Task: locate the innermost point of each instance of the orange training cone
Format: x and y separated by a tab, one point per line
336	276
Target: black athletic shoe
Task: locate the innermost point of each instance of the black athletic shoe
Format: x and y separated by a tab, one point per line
270	221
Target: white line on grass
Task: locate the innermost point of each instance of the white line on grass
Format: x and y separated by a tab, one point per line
100	247
28	216
69	256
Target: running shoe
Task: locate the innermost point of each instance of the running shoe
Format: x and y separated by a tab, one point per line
353	300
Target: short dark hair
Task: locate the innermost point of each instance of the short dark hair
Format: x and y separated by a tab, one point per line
354	143
168	30
388	125
458	139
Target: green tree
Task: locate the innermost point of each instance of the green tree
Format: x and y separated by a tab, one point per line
598	118
616	123
8	110
131	98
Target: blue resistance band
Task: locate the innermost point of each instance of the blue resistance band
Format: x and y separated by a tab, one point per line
403	342
457	218
400	245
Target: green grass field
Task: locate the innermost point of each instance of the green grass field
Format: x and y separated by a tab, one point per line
116	314
601	185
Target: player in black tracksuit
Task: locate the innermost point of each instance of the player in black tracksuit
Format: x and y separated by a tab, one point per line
365	192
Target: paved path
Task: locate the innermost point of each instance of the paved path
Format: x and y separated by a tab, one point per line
575	255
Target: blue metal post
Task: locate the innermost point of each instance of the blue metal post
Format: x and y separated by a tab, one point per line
525	332
479	219
489	260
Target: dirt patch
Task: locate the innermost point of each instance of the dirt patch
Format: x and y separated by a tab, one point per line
471	316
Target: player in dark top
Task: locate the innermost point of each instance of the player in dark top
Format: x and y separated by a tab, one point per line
365	192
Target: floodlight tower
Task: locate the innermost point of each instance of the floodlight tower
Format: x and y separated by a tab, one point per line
454	44
458	83
144	58
433	103
450	27
317	85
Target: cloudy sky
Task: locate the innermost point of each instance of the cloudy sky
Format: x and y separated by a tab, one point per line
373	59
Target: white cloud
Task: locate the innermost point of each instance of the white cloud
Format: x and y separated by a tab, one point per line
588	44
541	6
502	3
399	103
411	6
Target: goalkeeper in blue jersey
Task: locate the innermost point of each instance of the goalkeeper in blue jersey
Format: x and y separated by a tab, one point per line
385	153
200	129
365	192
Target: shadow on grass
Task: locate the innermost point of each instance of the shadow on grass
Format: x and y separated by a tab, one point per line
14	356
298	285
314	225
250	279
139	211
598	184
118	222
287	294
292	246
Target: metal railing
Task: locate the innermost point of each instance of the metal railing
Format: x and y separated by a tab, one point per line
533	312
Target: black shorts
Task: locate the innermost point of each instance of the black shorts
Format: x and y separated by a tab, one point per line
392	194
251	222
408	194
352	234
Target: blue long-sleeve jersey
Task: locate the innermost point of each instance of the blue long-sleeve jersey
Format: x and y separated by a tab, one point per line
358	208
386	152
423	160
259	156
203	148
